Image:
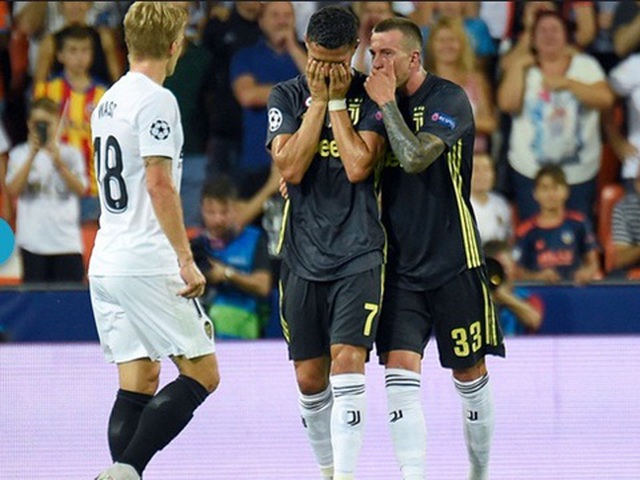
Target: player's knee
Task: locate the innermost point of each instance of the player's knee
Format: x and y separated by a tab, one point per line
472	373
403	359
212	382
347	359
310	383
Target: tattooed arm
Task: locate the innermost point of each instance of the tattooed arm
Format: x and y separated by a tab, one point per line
415	153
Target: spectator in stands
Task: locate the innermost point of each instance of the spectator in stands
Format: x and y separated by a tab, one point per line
557	244
625	231
254	70
492	211
225	33
6	207
555	95
449	55
369	14
106	65
477	31
235	263
625	81
626	28
47	178
578	16
519	310
190	83
77	93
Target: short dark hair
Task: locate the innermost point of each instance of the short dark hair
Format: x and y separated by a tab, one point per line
73	32
554	172
409	29
221	189
45	104
333	27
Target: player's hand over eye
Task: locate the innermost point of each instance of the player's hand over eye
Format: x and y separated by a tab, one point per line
381	82
339	81
316	74
195	281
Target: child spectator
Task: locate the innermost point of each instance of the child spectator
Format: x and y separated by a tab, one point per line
235	263
557	244
106	65
77	93
519	310
48	179
492	211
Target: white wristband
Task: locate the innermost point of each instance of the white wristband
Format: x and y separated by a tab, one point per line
337	105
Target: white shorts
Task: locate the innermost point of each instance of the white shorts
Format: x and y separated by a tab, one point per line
144	317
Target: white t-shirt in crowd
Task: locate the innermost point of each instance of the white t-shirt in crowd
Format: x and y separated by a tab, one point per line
494	218
48	216
554	127
135	118
625	80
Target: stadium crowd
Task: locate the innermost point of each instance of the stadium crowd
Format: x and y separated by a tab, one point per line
551	83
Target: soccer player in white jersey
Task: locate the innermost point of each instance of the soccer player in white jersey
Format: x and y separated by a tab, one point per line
143	280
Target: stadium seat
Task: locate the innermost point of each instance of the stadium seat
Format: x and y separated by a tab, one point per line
609	196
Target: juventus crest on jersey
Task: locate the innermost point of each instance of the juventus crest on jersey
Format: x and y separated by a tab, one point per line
135	118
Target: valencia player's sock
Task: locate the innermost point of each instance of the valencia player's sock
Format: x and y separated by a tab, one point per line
164	417
123	420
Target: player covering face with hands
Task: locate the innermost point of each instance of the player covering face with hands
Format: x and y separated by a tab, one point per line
436	278
326	137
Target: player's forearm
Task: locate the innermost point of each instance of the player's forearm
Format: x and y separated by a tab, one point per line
296	154
414	153
357	159
168	210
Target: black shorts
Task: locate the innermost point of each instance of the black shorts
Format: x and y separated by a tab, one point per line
316	315
460	314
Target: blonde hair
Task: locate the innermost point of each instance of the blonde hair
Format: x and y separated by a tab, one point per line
151	27
467	60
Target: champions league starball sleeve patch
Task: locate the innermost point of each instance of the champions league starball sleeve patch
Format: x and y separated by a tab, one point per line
160	130
275	119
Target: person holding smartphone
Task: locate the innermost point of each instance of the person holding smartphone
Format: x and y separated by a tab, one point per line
48	179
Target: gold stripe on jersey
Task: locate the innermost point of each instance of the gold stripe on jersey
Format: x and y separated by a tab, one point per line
283	322
491	318
472	252
283	226
378	179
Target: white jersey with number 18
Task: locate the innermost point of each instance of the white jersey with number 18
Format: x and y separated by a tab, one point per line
135	118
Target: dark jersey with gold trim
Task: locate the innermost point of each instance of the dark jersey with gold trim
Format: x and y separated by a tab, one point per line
331	226
431	228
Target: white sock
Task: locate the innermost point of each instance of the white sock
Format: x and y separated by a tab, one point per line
315	411
477	409
406	421
347	422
